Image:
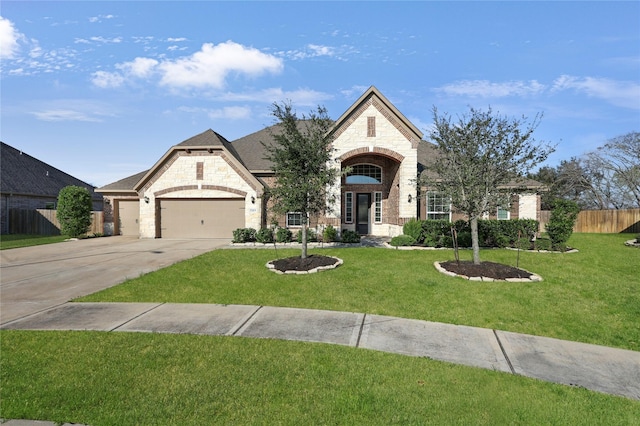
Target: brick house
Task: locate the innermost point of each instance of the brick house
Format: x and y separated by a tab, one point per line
27	183
206	186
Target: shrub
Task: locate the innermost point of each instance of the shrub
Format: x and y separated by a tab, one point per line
264	235
283	235
74	210
413	228
329	234
350	237
311	235
542	244
244	235
564	214
435	233
402	240
464	239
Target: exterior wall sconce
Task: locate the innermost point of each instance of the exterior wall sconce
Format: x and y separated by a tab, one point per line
146	199
253	199
409	198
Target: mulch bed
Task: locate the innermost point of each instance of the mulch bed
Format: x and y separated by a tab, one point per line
298	264
497	271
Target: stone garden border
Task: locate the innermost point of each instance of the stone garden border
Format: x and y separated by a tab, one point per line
271	267
531	279
633	243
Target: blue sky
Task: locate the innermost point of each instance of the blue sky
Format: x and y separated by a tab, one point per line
101	90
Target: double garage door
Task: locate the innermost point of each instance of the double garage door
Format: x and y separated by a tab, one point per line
200	218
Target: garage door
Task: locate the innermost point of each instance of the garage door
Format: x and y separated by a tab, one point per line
201	218
128	217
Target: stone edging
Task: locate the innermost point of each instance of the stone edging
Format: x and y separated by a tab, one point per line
533	278
632	243
339	262
389	246
543	251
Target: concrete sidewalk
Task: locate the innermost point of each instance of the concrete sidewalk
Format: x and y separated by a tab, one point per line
598	368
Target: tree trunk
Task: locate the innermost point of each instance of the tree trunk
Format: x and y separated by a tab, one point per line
304	240
474	240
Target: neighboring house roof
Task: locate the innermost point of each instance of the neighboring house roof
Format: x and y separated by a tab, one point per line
22	174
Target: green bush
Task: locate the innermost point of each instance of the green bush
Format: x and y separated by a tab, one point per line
74	210
311	235
402	240
464	239
264	235
564	214
244	235
329	234
283	235
350	237
413	228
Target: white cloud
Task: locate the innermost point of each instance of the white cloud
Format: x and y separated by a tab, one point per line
300	97
139	67
105	80
72	110
63	115
229	113
488	89
624	94
213	63
9	38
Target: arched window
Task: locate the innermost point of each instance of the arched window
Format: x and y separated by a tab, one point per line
365	173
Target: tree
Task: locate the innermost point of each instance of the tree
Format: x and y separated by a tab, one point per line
301	157
74	210
614	169
563	218
480	156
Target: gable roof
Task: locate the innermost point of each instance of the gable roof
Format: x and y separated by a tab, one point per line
22	174
373	94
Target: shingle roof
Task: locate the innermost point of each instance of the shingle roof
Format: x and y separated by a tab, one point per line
126	184
23	174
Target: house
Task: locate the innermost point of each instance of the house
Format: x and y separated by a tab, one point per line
27	183
206	186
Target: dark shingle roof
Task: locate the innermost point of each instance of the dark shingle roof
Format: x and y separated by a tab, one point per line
126	184
23	174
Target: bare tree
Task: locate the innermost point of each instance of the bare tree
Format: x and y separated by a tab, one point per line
480	155
614	171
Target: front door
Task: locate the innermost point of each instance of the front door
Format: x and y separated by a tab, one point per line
363	211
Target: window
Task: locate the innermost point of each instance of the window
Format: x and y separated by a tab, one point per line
438	206
503	213
294	219
371	127
377	206
365	173
348	207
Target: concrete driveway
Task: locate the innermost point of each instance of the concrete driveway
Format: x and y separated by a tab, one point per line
33	279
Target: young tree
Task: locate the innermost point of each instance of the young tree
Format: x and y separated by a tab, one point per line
479	156
301	157
74	210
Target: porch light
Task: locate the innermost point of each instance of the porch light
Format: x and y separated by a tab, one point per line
409	198
253	199
146	199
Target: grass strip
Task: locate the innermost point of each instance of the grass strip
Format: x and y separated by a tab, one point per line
9	241
592	296
102	378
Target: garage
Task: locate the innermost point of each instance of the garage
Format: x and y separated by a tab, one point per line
201	218
129	218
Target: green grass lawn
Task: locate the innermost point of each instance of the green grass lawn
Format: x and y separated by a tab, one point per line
102	378
591	296
10	241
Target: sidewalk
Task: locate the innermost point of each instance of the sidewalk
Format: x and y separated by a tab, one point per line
598	368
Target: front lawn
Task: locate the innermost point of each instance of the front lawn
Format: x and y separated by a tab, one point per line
591	296
9	241
116	378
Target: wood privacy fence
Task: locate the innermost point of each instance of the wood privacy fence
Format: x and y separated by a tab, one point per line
45	222
602	221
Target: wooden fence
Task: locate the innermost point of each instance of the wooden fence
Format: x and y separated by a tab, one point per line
45	222
602	221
